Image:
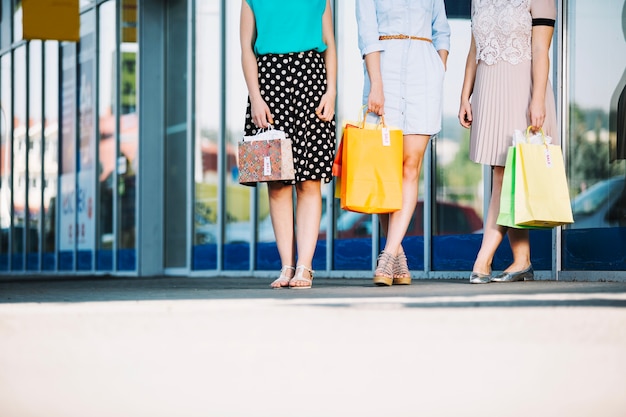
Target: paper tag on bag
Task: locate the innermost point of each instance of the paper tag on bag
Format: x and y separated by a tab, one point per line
267	166
548	157
386	137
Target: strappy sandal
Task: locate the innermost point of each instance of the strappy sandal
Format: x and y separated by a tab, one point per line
299	277
283	280
383	275
401	272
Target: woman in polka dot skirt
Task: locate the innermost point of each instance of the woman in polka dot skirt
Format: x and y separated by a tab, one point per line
290	67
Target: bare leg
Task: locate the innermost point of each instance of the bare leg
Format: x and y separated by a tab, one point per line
281	212
493	233
308	216
387	270
520	246
414	149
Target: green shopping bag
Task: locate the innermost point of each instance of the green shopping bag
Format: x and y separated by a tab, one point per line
506	217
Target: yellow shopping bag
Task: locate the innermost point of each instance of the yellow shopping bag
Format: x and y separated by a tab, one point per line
371	168
541	193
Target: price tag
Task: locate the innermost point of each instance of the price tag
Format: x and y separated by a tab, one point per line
386	137
548	157
267	166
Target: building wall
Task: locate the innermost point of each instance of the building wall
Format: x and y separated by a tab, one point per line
119	152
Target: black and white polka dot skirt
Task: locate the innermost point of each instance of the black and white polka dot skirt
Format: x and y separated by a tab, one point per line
292	85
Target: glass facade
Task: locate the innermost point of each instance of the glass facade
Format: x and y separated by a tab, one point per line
594	108
75	141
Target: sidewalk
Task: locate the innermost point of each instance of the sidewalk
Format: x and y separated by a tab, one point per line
233	347
77	289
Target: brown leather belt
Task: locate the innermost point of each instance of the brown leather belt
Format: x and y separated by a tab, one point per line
415	38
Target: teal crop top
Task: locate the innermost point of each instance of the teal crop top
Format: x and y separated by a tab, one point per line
285	26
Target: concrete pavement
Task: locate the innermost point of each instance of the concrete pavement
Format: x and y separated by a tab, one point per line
233	347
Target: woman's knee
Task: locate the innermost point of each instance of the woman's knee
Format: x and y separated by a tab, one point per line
309	187
411	167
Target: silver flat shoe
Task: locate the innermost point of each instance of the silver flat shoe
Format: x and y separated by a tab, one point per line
527	274
478	278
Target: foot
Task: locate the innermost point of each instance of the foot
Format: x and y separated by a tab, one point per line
401	272
383	275
527	274
286	273
302	279
479	278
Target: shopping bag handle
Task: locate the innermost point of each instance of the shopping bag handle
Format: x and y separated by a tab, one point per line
543	135
260	131
363	115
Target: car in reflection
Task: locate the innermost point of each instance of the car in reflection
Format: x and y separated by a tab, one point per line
601	205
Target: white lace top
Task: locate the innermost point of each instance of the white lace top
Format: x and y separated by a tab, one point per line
502	28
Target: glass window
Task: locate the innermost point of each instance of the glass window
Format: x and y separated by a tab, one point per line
176	175
127	161
107	136
596	147
207	135
67	180
6	164
238	221
50	152
353	231
458	208
34	154
19	159
17	20
86	167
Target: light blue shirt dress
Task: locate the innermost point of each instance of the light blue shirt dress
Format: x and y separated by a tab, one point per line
412	71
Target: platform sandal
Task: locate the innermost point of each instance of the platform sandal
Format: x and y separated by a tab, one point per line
401	272
383	275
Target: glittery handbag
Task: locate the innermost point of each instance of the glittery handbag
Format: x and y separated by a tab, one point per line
266	156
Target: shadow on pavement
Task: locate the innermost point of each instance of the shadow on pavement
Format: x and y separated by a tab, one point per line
325	292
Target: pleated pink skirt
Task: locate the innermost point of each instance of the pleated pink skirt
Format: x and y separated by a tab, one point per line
500	100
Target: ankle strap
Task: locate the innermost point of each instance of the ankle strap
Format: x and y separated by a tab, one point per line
305	268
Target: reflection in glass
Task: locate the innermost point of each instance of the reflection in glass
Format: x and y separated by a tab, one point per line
601	205
458	207
87	167
35	185
17	20
67	202
127	162
176	128
107	135
6	164
50	151
458	197
206	135
20	145
596	177
238	197
353	231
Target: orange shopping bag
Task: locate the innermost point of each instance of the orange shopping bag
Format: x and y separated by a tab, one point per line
371	168
337	164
